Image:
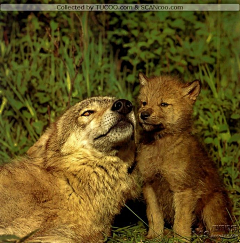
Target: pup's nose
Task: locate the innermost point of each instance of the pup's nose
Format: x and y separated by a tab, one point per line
122	106
144	115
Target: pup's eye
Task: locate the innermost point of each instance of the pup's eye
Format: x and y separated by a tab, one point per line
144	103
87	113
164	104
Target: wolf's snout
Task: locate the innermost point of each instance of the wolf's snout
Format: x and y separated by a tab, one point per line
122	106
145	114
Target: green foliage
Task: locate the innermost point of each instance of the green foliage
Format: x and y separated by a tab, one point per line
45	68
135	233
50	60
174	42
217	112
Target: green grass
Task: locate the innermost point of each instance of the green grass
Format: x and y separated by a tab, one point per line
136	233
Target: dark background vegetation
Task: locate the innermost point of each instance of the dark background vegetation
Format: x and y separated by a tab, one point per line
50	60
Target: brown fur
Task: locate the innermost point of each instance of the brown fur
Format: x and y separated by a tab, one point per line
181	183
75	179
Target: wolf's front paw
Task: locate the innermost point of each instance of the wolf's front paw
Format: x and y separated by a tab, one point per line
153	234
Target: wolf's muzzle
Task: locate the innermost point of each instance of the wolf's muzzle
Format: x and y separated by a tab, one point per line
146	114
122	106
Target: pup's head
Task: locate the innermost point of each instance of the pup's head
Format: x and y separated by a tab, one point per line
166	103
103	124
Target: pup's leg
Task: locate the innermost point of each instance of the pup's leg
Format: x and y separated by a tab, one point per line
216	215
154	213
184	203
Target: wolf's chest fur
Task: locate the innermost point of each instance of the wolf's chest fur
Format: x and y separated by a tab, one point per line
172	159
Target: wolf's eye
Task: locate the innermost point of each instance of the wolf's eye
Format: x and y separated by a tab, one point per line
144	103
87	113
164	104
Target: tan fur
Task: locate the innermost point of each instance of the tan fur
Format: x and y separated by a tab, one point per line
181	184
75	179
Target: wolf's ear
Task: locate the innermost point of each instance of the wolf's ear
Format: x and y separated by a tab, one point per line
143	79
192	90
39	148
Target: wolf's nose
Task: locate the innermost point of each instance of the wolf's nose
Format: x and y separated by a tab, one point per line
122	106
144	115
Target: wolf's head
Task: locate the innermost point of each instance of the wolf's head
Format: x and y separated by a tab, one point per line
103	124
166	104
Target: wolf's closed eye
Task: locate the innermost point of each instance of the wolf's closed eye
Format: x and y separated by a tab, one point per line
87	113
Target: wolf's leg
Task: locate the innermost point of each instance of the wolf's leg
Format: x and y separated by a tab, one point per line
184	203
154	213
216	215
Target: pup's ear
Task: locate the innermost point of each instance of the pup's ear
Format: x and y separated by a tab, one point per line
143	79
192	90
39	148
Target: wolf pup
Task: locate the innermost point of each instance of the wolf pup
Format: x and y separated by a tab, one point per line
75	178
181	183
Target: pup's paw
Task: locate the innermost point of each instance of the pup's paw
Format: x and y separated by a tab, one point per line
152	235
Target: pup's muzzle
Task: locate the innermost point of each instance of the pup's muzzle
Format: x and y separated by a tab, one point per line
122	106
146	114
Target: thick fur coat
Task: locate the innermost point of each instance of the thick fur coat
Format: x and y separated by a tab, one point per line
75	179
182	186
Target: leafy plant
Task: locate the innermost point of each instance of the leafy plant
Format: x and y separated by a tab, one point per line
46	69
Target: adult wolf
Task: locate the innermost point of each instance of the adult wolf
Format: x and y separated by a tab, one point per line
75	178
